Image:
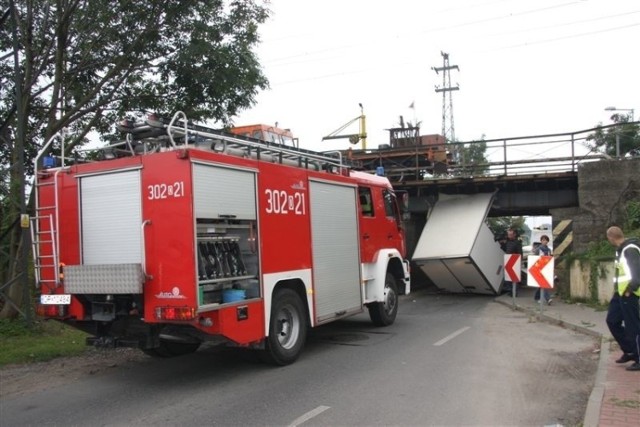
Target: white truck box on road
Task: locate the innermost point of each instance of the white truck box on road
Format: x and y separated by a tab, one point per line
457	250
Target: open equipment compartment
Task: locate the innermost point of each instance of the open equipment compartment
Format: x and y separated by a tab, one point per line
227	260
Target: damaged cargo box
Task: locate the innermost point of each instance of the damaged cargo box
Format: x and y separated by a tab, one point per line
457	250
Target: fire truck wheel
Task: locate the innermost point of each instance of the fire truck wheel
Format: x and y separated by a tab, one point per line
384	313
172	348
287	328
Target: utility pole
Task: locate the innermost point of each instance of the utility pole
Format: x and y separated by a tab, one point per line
448	128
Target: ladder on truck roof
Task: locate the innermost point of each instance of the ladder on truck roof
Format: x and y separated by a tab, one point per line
170	133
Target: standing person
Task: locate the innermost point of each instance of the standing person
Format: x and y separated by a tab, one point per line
543	249
512	246
623	306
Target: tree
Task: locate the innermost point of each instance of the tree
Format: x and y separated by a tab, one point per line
82	64
619	140
470	157
473	158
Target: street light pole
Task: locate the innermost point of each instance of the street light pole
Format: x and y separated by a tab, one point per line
618	127
622	109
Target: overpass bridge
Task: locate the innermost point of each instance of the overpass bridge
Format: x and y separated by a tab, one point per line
531	175
516	195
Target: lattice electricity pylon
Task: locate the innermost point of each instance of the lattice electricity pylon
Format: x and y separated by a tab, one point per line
448	128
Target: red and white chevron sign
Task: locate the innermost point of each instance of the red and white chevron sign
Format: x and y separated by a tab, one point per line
512	267
540	271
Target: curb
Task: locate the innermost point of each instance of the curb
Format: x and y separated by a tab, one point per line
551	319
592	413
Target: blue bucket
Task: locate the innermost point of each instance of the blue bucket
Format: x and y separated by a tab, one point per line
233	295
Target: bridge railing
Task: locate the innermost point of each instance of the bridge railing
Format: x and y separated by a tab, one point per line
524	155
538	154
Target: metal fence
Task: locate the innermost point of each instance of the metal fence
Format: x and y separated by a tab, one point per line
525	155
538	154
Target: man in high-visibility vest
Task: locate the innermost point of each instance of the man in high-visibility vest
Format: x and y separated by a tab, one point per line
623	306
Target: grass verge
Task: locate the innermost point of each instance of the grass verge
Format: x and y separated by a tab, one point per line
45	340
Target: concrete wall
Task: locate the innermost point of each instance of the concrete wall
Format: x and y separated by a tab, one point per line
580	276
604	188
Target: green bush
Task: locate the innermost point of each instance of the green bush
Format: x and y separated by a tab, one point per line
44	340
633	215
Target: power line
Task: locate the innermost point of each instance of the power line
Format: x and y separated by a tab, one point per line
385	38
412	60
564	24
571	36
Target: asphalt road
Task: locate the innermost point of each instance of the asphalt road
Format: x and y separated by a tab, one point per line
448	360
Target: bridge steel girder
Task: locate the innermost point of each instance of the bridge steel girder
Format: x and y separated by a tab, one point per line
516	195
538	202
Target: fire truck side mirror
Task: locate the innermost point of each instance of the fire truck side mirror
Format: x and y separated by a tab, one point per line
403	201
402	206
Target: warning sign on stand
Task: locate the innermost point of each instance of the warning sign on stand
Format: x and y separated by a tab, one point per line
540	271
512	267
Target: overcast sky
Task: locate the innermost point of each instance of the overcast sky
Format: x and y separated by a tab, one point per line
526	67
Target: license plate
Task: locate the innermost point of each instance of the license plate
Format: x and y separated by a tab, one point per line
57	299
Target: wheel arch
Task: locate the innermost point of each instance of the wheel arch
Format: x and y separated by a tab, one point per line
296	285
386	261
288	323
396	267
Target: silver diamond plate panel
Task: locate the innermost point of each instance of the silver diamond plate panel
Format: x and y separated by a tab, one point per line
103	279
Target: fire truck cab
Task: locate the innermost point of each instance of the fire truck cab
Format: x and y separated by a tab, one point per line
183	235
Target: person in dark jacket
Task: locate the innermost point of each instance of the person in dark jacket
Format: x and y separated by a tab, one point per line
623	306
512	246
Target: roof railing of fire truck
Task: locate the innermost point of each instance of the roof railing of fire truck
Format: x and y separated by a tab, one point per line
45	148
176	116
178	126
127	145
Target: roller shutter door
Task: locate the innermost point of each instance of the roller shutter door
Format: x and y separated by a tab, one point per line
111	218
336	256
220	191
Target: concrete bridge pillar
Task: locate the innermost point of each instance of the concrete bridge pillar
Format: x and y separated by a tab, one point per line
604	190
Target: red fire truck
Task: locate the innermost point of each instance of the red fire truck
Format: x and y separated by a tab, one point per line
179	235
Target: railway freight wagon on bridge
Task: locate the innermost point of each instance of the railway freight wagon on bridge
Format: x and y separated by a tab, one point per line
182	235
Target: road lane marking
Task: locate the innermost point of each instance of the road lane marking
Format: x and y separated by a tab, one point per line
452	336
306	417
